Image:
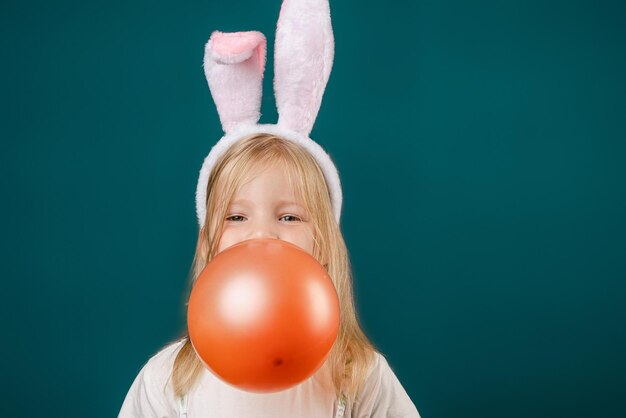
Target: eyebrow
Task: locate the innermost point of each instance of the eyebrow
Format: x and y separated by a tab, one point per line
240	201
280	203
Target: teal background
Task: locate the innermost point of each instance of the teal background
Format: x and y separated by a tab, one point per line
481	148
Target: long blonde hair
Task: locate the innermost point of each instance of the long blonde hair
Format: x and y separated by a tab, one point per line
352	355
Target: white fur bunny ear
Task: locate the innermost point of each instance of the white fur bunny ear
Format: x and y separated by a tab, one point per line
233	65
303	58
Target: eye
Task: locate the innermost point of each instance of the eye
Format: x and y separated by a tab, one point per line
235	218
293	217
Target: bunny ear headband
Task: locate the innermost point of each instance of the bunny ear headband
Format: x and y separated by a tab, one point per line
303	56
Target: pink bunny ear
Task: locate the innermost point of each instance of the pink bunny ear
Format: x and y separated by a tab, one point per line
233	65
303	58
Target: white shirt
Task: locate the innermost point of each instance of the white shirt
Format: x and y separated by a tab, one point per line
152	395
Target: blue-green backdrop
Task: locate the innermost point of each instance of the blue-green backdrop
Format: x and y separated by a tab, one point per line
481	146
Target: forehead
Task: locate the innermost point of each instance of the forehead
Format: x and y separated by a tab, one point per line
275	183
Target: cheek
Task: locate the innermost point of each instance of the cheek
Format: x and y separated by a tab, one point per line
304	240
309	243
226	240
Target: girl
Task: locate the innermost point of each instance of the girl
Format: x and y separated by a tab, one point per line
272	181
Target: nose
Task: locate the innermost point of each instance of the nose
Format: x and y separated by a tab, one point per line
263	230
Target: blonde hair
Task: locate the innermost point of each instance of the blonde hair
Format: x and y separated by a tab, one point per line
352	355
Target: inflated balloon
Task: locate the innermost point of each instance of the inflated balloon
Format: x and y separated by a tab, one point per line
263	315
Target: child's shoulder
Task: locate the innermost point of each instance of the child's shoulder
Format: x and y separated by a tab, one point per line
379	370
151	393
381	365
382	391
378	366
163	360
156	372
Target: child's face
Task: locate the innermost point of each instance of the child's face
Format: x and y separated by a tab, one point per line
266	207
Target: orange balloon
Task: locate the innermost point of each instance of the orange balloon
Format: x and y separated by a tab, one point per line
263	315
